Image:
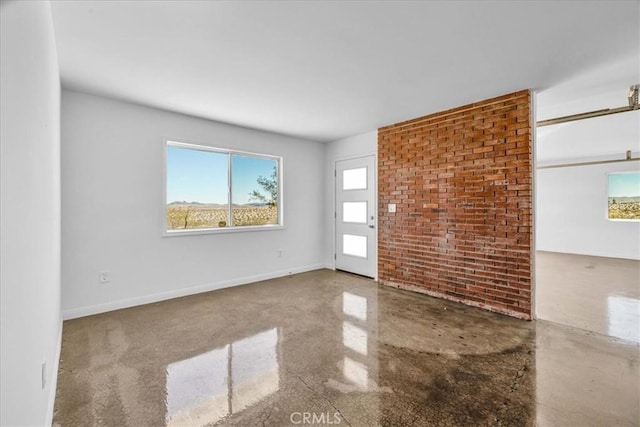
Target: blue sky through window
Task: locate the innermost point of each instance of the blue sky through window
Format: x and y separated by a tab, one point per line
202	176
624	184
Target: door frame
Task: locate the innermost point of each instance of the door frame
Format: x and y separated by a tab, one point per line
375	201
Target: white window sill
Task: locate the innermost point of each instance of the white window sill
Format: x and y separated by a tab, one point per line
221	230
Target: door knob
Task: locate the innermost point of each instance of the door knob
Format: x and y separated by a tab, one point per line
372	226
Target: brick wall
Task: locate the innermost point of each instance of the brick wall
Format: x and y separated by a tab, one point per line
462	183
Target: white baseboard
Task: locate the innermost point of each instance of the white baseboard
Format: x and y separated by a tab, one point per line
596	253
53	378
148	299
329	266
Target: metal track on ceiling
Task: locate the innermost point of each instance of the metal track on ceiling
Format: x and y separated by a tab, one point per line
632	97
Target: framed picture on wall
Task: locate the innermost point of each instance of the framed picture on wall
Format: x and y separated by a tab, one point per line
623	190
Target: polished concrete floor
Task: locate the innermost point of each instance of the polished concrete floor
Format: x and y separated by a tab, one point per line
329	348
593	293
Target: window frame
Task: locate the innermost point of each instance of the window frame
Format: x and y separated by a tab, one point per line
606	212
166	142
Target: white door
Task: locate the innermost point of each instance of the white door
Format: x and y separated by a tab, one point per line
356	250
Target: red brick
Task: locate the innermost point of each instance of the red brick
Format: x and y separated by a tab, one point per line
462	180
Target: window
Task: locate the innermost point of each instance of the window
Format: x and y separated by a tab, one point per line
210	189
624	196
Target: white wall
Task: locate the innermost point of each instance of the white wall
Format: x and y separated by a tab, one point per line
572	213
571	202
354	146
112	208
30	213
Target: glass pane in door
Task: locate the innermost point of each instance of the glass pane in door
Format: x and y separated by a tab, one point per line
354	245
354	179
354	212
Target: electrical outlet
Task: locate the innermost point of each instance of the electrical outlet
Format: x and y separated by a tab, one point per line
44	374
104	276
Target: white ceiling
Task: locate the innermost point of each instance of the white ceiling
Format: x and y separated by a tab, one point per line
327	70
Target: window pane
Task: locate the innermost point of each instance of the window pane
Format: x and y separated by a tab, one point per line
354	212
354	245
624	196
197	188
254	190
354	179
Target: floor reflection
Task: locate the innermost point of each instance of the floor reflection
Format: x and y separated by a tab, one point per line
354	305
354	337
583	379
359	324
208	387
343	348
198	388
356	372
596	294
624	317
